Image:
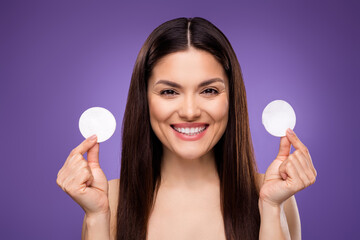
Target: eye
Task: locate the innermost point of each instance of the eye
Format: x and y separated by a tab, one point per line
210	91
168	92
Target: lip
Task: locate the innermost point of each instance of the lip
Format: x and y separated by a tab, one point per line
188	137
189	125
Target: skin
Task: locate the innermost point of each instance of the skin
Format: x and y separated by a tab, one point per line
85	182
188	202
188	164
288	174
189	192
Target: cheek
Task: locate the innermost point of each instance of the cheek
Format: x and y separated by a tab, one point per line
159	110
218	109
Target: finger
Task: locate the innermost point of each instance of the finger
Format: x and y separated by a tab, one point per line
288	168
307	153
293	182
83	147
88	183
302	172
93	156
295	141
75	157
305	163
84	177
284	149
67	183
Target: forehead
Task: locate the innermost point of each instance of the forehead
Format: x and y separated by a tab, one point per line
190	66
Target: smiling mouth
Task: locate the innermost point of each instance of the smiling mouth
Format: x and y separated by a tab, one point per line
190	131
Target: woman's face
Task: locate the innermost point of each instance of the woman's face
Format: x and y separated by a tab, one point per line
188	102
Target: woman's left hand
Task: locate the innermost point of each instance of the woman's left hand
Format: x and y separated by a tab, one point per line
288	173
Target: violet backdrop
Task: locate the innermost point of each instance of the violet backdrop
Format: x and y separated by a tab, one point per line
59	58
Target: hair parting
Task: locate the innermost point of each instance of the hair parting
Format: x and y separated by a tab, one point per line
141	153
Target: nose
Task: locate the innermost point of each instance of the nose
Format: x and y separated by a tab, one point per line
189	108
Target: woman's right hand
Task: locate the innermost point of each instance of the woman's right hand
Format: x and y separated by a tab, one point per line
83	180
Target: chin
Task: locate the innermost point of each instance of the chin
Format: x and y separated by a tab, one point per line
189	155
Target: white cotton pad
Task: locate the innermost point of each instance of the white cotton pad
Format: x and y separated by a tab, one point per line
277	117
99	121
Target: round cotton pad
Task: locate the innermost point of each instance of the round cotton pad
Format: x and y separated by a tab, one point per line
277	117
99	121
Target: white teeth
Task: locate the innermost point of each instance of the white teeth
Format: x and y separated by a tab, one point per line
190	131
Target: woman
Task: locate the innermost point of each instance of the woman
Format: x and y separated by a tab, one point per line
188	169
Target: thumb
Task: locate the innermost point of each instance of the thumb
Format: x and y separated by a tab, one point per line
284	149
93	156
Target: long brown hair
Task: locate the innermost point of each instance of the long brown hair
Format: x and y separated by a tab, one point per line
142	150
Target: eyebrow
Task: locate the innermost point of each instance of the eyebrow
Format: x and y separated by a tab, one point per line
204	83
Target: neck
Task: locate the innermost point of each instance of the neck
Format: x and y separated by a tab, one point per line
191	174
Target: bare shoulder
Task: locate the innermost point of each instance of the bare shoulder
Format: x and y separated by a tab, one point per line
290	209
113	189
113	195
260	179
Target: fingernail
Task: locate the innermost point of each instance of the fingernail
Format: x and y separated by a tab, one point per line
283	175
291	131
92	138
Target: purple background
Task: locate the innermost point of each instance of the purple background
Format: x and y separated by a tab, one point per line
58	59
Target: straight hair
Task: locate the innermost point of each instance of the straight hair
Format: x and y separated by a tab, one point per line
141	154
